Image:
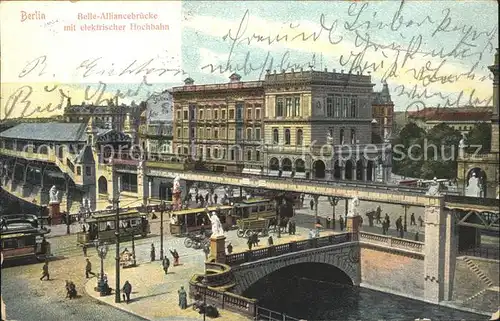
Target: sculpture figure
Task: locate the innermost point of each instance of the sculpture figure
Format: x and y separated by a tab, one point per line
217	229
433	188
54	194
177	185
329	138
354	207
473	188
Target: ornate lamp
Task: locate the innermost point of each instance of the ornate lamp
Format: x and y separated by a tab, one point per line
102	250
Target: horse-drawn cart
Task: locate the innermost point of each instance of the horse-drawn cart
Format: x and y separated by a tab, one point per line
247	227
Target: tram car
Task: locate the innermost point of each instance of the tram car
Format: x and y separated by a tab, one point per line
22	238
191	220
101	227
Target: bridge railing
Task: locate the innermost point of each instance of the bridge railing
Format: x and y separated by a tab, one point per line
280	249
391	242
263	314
218	275
472	200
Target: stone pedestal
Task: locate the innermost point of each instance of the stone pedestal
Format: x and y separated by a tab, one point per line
55	213
353	223
218	249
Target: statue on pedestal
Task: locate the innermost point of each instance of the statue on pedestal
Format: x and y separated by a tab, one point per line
329	138
217	229
176	197
474	186
433	188
354	211
54	195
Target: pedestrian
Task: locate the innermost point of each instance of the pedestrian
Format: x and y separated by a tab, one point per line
341	223
206	250
45	271
175	255
412	219
328	222
4	223
153	252
311	203
370	218
215	198
166	264
388	221
378	215
127	289
360	221
420	221
182	298
153	215
250	242
229	248
270	241
84	248
88	269
416	236
401	233
384	227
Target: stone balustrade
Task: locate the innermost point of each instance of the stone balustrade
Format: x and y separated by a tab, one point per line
391	242
218	275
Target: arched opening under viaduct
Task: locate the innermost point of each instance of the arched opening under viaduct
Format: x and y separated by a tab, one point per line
294	290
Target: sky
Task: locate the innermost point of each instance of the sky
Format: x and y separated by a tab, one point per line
431	53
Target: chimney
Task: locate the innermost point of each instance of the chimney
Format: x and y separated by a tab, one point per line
268	71
282	71
326	69
234	78
188	81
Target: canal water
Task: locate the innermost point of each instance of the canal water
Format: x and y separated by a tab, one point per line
308	299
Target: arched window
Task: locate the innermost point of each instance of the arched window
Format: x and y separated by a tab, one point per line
249	133
300	137
249	155
276	136
354	106
287	136
342	136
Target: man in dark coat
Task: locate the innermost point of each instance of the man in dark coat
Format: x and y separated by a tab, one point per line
45	271
229	248
341	223
311	203
88	269
166	264
153	252
127	289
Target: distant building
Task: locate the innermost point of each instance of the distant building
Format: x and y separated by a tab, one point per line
112	116
156	136
383	113
462	119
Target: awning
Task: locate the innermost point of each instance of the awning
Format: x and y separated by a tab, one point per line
273	173
246	171
300	175
286	174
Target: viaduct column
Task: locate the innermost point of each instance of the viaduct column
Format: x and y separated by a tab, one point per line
439	250
142	186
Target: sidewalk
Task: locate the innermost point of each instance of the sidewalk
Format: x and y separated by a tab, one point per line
154	294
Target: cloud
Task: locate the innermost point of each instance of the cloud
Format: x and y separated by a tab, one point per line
276	36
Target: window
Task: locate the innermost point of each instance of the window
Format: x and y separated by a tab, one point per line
257	113
216	114
231	133
185	133
201	114
186	151
88	171
353	136
249	133
249	155
209	114
209	133
287	136
200	133
179	150
289	107
342	136
239	111
249	114
223	114
276	136
78	171
223	133
185	115
208	152
178	133
354	106
216	133
257	133
329	107
337	106
178	115
296	107
239	133
257	155
279	107
300	137
345	106
231	113
232	154
216	153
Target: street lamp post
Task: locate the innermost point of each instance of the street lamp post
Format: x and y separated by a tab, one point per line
204	286
102	251
117	258
405	227
333	202
162	209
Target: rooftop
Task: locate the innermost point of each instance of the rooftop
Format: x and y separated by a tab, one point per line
50	132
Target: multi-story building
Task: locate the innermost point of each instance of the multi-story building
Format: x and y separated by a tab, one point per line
219	123
462	119
112	116
383	113
485	167
156	137
317	124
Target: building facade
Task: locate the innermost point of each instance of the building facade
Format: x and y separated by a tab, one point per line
220	124
318	124
383	113
484	166
462	119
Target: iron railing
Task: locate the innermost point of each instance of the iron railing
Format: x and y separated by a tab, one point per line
263	314
484	252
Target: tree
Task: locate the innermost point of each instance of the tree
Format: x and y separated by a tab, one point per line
441	152
408	154
480	135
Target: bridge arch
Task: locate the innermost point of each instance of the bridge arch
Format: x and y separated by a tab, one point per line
342	259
